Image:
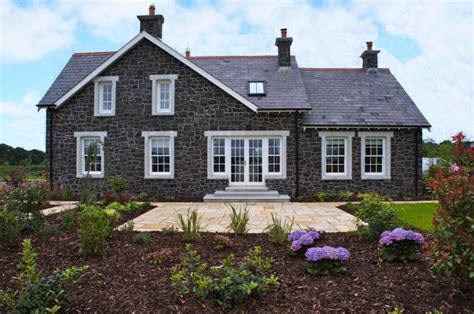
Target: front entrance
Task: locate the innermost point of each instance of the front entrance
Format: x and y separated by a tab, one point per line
246	161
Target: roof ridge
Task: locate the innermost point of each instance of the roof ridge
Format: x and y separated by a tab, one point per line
234	57
387	70
94	53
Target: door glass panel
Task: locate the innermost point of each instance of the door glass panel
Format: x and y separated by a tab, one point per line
237	161
255	160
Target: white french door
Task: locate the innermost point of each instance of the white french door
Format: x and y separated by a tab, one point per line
246	161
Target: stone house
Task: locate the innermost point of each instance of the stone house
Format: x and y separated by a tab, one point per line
229	127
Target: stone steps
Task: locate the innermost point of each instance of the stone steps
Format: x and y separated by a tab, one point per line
246	194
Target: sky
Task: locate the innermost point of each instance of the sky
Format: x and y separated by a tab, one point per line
428	45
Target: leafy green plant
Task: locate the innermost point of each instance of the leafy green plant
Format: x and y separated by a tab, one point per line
68	221
142	238
117	184
222	242
125	208
239	219
112	215
9	228
322	196
374	216
128	228
159	258
279	229
169	230
190	225
37	294
345	196
49	231
94	229
227	283
453	237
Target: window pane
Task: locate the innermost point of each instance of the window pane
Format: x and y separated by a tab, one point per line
160	155
374	155
218	155
256	88
91	156
274	148
335	155
164	95
106	96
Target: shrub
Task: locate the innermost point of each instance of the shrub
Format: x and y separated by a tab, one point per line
125	208
378	215
345	196
453	235
159	258
94	229
128	228
238	219
327	260
302	240
49	231
169	230
142	238
322	196
190	225
9	228
16	178
222	242
68	220
228	283
399	244
36	294
112	215
117	184
279	229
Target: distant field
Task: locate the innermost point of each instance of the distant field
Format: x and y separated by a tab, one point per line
33	172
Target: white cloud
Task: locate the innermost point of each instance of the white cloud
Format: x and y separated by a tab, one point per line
30	33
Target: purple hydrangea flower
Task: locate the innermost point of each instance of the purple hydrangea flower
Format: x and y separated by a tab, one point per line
296	245
295	235
306	239
314	234
399	234
327	252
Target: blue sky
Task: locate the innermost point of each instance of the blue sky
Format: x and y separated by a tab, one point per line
428	45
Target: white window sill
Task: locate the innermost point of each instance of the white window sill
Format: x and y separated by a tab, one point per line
336	177
218	176
164	113
159	176
375	177
275	176
92	175
104	114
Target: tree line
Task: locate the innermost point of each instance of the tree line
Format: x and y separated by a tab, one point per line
17	156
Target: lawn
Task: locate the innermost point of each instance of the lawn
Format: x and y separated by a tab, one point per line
418	216
32	172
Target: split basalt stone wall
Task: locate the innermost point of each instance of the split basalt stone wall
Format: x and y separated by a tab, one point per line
403	166
199	106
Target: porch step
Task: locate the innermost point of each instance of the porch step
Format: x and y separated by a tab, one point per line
246	188
249	194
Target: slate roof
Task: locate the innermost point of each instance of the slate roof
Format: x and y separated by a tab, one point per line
77	68
353	97
284	88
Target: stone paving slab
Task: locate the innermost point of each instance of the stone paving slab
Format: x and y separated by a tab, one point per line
216	216
60	207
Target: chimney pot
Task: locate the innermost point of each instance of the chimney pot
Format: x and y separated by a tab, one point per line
188	54
151	10
283	32
369	46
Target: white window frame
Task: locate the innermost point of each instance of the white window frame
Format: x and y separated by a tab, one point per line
80	162
156	79
98	112
347	136
150	135
229	135
387	155
256	93
213	155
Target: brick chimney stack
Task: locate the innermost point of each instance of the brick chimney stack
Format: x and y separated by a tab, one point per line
188	53
151	23
284	44
369	57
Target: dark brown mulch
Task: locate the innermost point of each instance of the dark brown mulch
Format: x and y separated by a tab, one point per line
350	209
122	282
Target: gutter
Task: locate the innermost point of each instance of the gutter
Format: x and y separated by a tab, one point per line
417	157
297	156
50	131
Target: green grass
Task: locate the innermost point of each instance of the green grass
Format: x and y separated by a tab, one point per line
418	216
32	172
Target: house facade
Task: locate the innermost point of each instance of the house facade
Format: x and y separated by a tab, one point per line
229	127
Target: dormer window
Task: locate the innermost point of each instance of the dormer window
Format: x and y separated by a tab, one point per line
257	88
104	95
163	94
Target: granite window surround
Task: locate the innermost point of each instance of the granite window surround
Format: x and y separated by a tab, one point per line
81	137
158	84
100	84
149	136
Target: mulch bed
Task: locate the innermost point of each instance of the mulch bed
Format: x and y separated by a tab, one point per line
348	209
122	282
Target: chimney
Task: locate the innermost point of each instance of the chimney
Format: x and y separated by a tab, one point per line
151	23
284	43
188	53
369	57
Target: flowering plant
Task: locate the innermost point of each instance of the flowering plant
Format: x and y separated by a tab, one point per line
400	244
327	260
452	252
302	240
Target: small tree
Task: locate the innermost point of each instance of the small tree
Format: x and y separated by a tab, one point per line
453	238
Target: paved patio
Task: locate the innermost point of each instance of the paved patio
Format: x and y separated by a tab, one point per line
320	216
